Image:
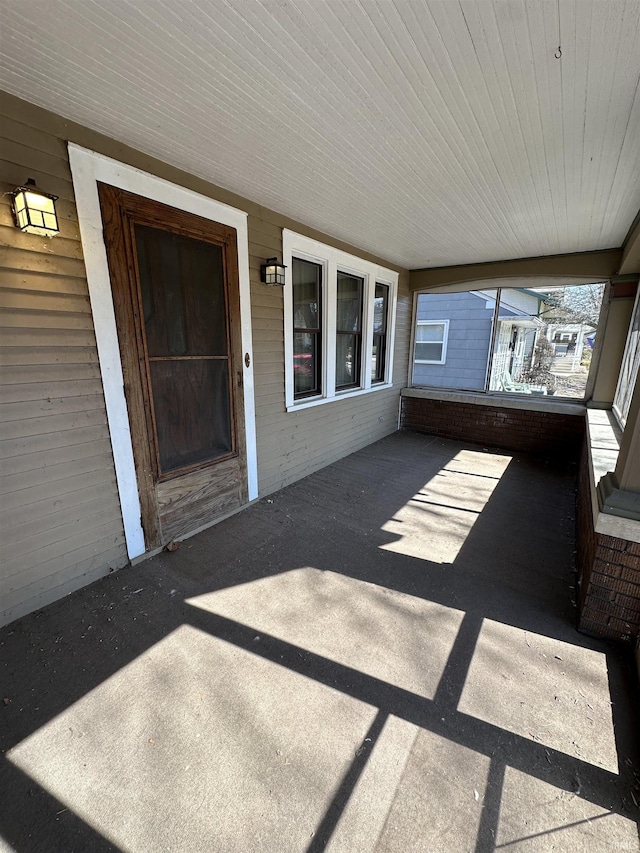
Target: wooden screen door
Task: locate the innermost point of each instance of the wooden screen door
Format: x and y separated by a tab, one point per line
174	278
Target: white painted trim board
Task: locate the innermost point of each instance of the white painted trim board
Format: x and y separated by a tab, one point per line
87	168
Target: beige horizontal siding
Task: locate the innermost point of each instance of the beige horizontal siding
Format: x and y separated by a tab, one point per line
26	486
60	511
34	374
49	455
51	545
77	492
50	424
28	280
15	173
53	524
292	445
63	575
21	355
61	523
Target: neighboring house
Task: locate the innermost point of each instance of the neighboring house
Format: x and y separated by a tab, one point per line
569	340
518	329
453	337
454	333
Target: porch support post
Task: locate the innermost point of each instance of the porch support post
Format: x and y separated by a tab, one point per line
619	490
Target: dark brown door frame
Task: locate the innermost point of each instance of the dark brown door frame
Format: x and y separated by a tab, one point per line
121	211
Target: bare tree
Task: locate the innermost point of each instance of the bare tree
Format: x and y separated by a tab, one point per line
575	304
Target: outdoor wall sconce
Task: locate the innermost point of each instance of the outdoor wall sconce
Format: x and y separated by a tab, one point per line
35	210
272	272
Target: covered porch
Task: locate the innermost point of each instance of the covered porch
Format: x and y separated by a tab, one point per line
381	656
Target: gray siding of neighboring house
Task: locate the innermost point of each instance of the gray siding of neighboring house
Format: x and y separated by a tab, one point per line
60	507
470	319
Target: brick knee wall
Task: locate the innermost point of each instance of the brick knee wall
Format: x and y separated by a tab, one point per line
608	573
548	433
608	568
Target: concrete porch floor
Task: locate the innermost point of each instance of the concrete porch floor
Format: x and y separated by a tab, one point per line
381	657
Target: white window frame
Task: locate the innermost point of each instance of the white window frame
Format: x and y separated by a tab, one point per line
623	395
331	260
445	339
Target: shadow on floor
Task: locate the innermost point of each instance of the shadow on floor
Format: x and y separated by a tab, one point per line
379	657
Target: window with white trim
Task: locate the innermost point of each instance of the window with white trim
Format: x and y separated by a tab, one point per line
380	321
339	323
630	367
307	328
431	341
348	330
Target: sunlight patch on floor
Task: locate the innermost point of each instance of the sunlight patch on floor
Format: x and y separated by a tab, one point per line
392	636
428	798
365	814
536	816
202	743
434	524
551	692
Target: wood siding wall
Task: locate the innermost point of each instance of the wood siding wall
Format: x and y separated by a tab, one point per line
60	523
292	445
59	479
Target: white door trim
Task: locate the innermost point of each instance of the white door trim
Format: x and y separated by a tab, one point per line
88	167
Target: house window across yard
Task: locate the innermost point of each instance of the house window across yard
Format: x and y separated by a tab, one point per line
431	341
339	323
520	340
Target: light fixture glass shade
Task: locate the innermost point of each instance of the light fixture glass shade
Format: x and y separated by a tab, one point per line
35	211
272	272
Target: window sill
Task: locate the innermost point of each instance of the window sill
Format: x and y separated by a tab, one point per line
339	395
528	402
603	442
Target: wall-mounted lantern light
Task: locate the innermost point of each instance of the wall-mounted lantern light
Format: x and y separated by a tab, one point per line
272	272
35	210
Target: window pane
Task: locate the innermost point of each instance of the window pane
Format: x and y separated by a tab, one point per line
307	325
348	319
191	404
182	285
349	310
544	340
380	303
347	360
470	323
378	358
376	353
306	294
430	332
428	352
305	363
379	345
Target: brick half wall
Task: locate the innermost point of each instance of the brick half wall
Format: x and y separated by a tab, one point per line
545	433
608	573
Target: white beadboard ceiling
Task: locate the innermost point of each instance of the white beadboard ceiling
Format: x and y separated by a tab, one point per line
429	133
